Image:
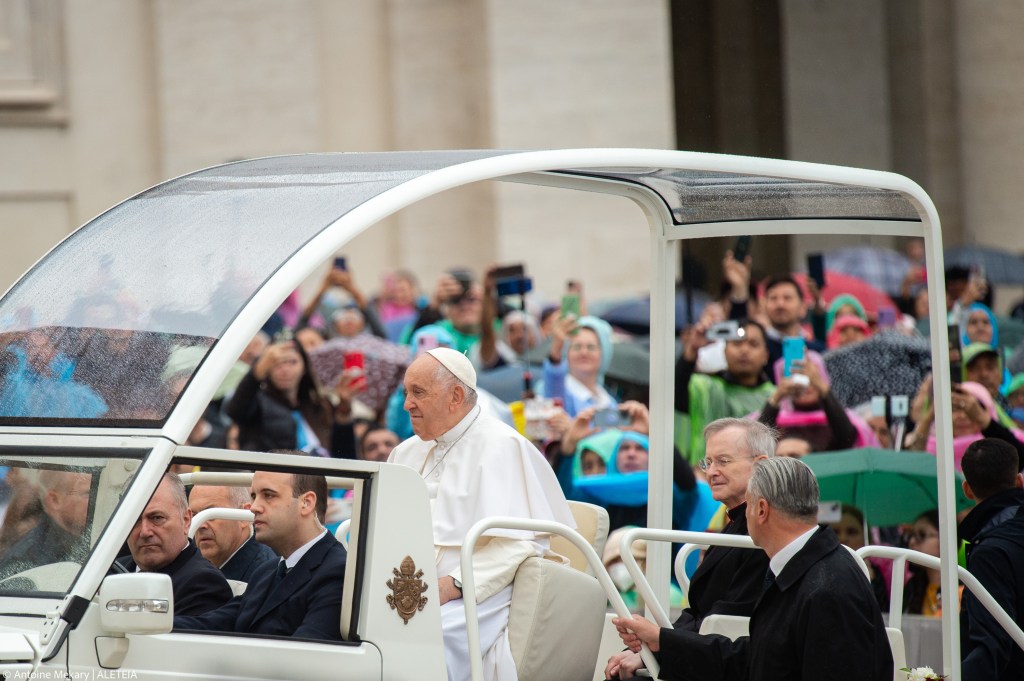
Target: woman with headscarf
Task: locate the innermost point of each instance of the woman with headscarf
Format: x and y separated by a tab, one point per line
807	408
576	364
823	319
978	324
974	418
609	468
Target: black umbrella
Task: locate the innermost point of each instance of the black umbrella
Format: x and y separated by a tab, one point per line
888	363
1000	267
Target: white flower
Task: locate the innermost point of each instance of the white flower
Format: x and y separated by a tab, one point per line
922	674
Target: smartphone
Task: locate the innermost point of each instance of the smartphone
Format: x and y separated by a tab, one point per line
465	279
742	248
956	370
514	286
355	362
339	263
886	317
610	418
728	330
571	305
516	271
794	349
426	343
816	269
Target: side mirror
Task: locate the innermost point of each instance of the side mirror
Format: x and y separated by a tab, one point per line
140	603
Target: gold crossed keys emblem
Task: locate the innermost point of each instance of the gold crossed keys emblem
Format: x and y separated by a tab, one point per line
406	588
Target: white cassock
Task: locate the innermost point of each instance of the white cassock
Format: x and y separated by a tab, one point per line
482	468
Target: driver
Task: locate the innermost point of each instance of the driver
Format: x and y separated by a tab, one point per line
60	533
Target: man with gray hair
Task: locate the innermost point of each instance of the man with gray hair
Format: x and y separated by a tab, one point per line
229	544
728	580
474	467
817	617
159	543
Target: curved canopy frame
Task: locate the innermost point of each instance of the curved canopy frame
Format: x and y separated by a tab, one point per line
206	258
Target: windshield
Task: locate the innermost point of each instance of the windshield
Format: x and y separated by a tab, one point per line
54	508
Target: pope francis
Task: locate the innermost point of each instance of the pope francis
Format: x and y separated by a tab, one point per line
475	466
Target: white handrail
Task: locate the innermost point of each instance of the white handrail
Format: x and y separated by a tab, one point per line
542	526
679	565
218	514
673	536
900	556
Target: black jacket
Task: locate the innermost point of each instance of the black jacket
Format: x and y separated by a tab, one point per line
45	543
249	557
727	581
197	585
819	620
305	604
994	530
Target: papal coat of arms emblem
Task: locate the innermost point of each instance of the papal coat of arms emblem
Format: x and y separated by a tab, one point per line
406	588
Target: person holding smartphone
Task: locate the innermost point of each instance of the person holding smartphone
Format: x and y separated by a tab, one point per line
803	406
740	389
581	350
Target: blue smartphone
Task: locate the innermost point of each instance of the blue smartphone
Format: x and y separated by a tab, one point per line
794	349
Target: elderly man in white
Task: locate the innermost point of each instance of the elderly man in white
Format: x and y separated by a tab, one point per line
475	466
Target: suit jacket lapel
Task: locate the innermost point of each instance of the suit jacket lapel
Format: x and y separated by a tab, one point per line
296	578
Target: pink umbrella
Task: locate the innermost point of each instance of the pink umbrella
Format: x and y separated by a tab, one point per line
384	364
837	284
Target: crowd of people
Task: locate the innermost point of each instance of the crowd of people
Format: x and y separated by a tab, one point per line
760	374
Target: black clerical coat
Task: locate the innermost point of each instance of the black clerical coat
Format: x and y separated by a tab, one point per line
727	581
819	620
247	560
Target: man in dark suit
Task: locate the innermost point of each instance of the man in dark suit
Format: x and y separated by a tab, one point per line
159	543
817	617
994	534
300	595
229	544
727	581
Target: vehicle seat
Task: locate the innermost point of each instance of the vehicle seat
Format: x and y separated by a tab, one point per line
555	621
592	523
899	653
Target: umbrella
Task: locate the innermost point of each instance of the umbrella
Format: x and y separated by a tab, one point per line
1001	267
384	364
634	314
631	362
889	487
888	363
883	268
837	284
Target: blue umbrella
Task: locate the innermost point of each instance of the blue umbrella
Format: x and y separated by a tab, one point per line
634	314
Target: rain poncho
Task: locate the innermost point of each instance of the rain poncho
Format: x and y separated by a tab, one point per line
27	392
712	397
624	495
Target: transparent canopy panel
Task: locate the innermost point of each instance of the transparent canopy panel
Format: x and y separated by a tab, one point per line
54	508
110	326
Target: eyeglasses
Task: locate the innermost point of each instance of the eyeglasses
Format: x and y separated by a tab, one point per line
719	462
587	347
921	535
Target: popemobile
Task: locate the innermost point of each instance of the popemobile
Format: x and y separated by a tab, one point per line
201	261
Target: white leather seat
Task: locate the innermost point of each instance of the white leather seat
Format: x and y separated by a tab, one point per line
555	621
592	523
732	626
237	586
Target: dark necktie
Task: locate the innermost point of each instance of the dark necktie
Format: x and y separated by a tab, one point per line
282	570
769	579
